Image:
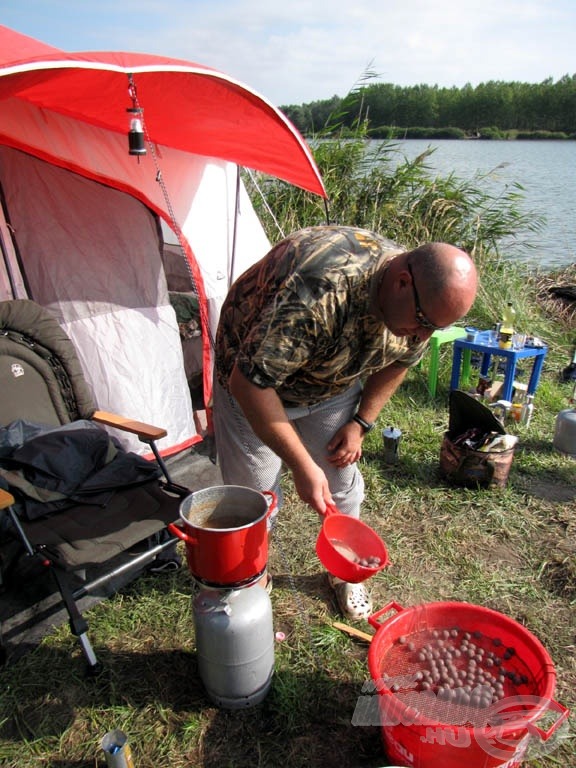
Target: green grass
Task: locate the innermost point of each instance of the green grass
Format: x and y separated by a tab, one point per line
511	549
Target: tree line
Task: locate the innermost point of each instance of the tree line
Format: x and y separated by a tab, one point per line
490	110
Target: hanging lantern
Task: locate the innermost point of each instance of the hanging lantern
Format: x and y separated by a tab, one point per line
136	142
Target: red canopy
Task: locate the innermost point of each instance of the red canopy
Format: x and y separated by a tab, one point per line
187	107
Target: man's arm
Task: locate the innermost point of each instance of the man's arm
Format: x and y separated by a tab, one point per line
265	412
378	389
346	446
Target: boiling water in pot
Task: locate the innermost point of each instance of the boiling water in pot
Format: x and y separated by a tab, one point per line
225	514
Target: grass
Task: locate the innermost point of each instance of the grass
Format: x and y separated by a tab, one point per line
508	549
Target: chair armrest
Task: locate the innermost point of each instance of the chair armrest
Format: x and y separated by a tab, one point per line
6	499
144	431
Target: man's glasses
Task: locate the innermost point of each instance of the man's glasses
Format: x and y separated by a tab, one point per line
421	318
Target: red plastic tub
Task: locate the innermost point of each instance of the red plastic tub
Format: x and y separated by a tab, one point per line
424	659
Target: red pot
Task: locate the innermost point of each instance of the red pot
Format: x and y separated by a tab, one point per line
226	533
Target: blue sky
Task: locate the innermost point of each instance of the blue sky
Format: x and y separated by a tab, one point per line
296	51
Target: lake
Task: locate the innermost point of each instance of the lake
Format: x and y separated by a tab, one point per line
545	169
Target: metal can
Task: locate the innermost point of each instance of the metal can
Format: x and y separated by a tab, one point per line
391	437
117	750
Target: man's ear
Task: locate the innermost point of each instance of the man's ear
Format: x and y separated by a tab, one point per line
403	279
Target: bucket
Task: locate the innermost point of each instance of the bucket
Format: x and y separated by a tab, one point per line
226	533
348	548
424	659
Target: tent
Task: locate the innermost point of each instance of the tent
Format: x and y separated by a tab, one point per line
90	231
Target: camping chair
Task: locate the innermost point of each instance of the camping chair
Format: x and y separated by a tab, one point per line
75	536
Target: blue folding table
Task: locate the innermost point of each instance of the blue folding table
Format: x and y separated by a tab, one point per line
484	345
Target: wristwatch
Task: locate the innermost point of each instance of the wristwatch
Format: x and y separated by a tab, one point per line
366	426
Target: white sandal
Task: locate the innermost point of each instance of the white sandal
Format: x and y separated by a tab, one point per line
353	599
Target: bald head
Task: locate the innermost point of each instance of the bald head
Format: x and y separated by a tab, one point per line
447	280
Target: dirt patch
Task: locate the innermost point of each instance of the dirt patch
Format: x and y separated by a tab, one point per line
552	491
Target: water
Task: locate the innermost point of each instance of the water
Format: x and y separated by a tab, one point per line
545	169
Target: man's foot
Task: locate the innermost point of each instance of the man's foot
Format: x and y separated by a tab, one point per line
353	599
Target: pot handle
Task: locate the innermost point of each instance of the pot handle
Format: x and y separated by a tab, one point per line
273	503
392	606
174	529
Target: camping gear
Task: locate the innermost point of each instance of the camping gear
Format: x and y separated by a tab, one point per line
121	233
439	337
391	438
99	511
466	457
117	750
234	645
226	533
428	717
348	548
569	372
565	429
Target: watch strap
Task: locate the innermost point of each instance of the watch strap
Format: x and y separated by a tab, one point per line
366	426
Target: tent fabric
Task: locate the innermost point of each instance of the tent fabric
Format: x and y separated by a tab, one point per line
186	105
80	222
114	308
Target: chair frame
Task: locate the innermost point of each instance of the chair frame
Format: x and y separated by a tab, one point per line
84	409
77	622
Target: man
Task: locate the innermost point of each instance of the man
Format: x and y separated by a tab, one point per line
313	340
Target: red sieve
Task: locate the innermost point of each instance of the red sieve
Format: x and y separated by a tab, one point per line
348	548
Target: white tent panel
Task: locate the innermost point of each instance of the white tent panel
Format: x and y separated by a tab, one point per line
93	257
225	238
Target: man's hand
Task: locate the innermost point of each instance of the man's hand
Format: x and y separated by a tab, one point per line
345	448
312	487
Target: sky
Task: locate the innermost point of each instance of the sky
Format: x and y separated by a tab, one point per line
298	51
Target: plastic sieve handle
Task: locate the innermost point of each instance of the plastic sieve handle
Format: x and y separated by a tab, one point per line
545	735
392	606
331	509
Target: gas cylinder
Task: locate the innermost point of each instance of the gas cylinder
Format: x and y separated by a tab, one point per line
234	645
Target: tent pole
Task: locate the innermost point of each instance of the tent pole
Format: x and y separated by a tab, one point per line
235	228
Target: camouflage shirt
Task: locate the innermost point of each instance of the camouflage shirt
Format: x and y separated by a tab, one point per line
304	320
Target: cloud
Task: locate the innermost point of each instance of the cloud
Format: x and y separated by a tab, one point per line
300	51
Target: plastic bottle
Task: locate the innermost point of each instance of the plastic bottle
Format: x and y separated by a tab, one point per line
507	326
527	410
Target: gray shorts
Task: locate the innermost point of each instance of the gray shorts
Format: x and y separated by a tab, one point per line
245	460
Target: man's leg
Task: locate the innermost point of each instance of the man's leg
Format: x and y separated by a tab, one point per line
316	428
243	458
